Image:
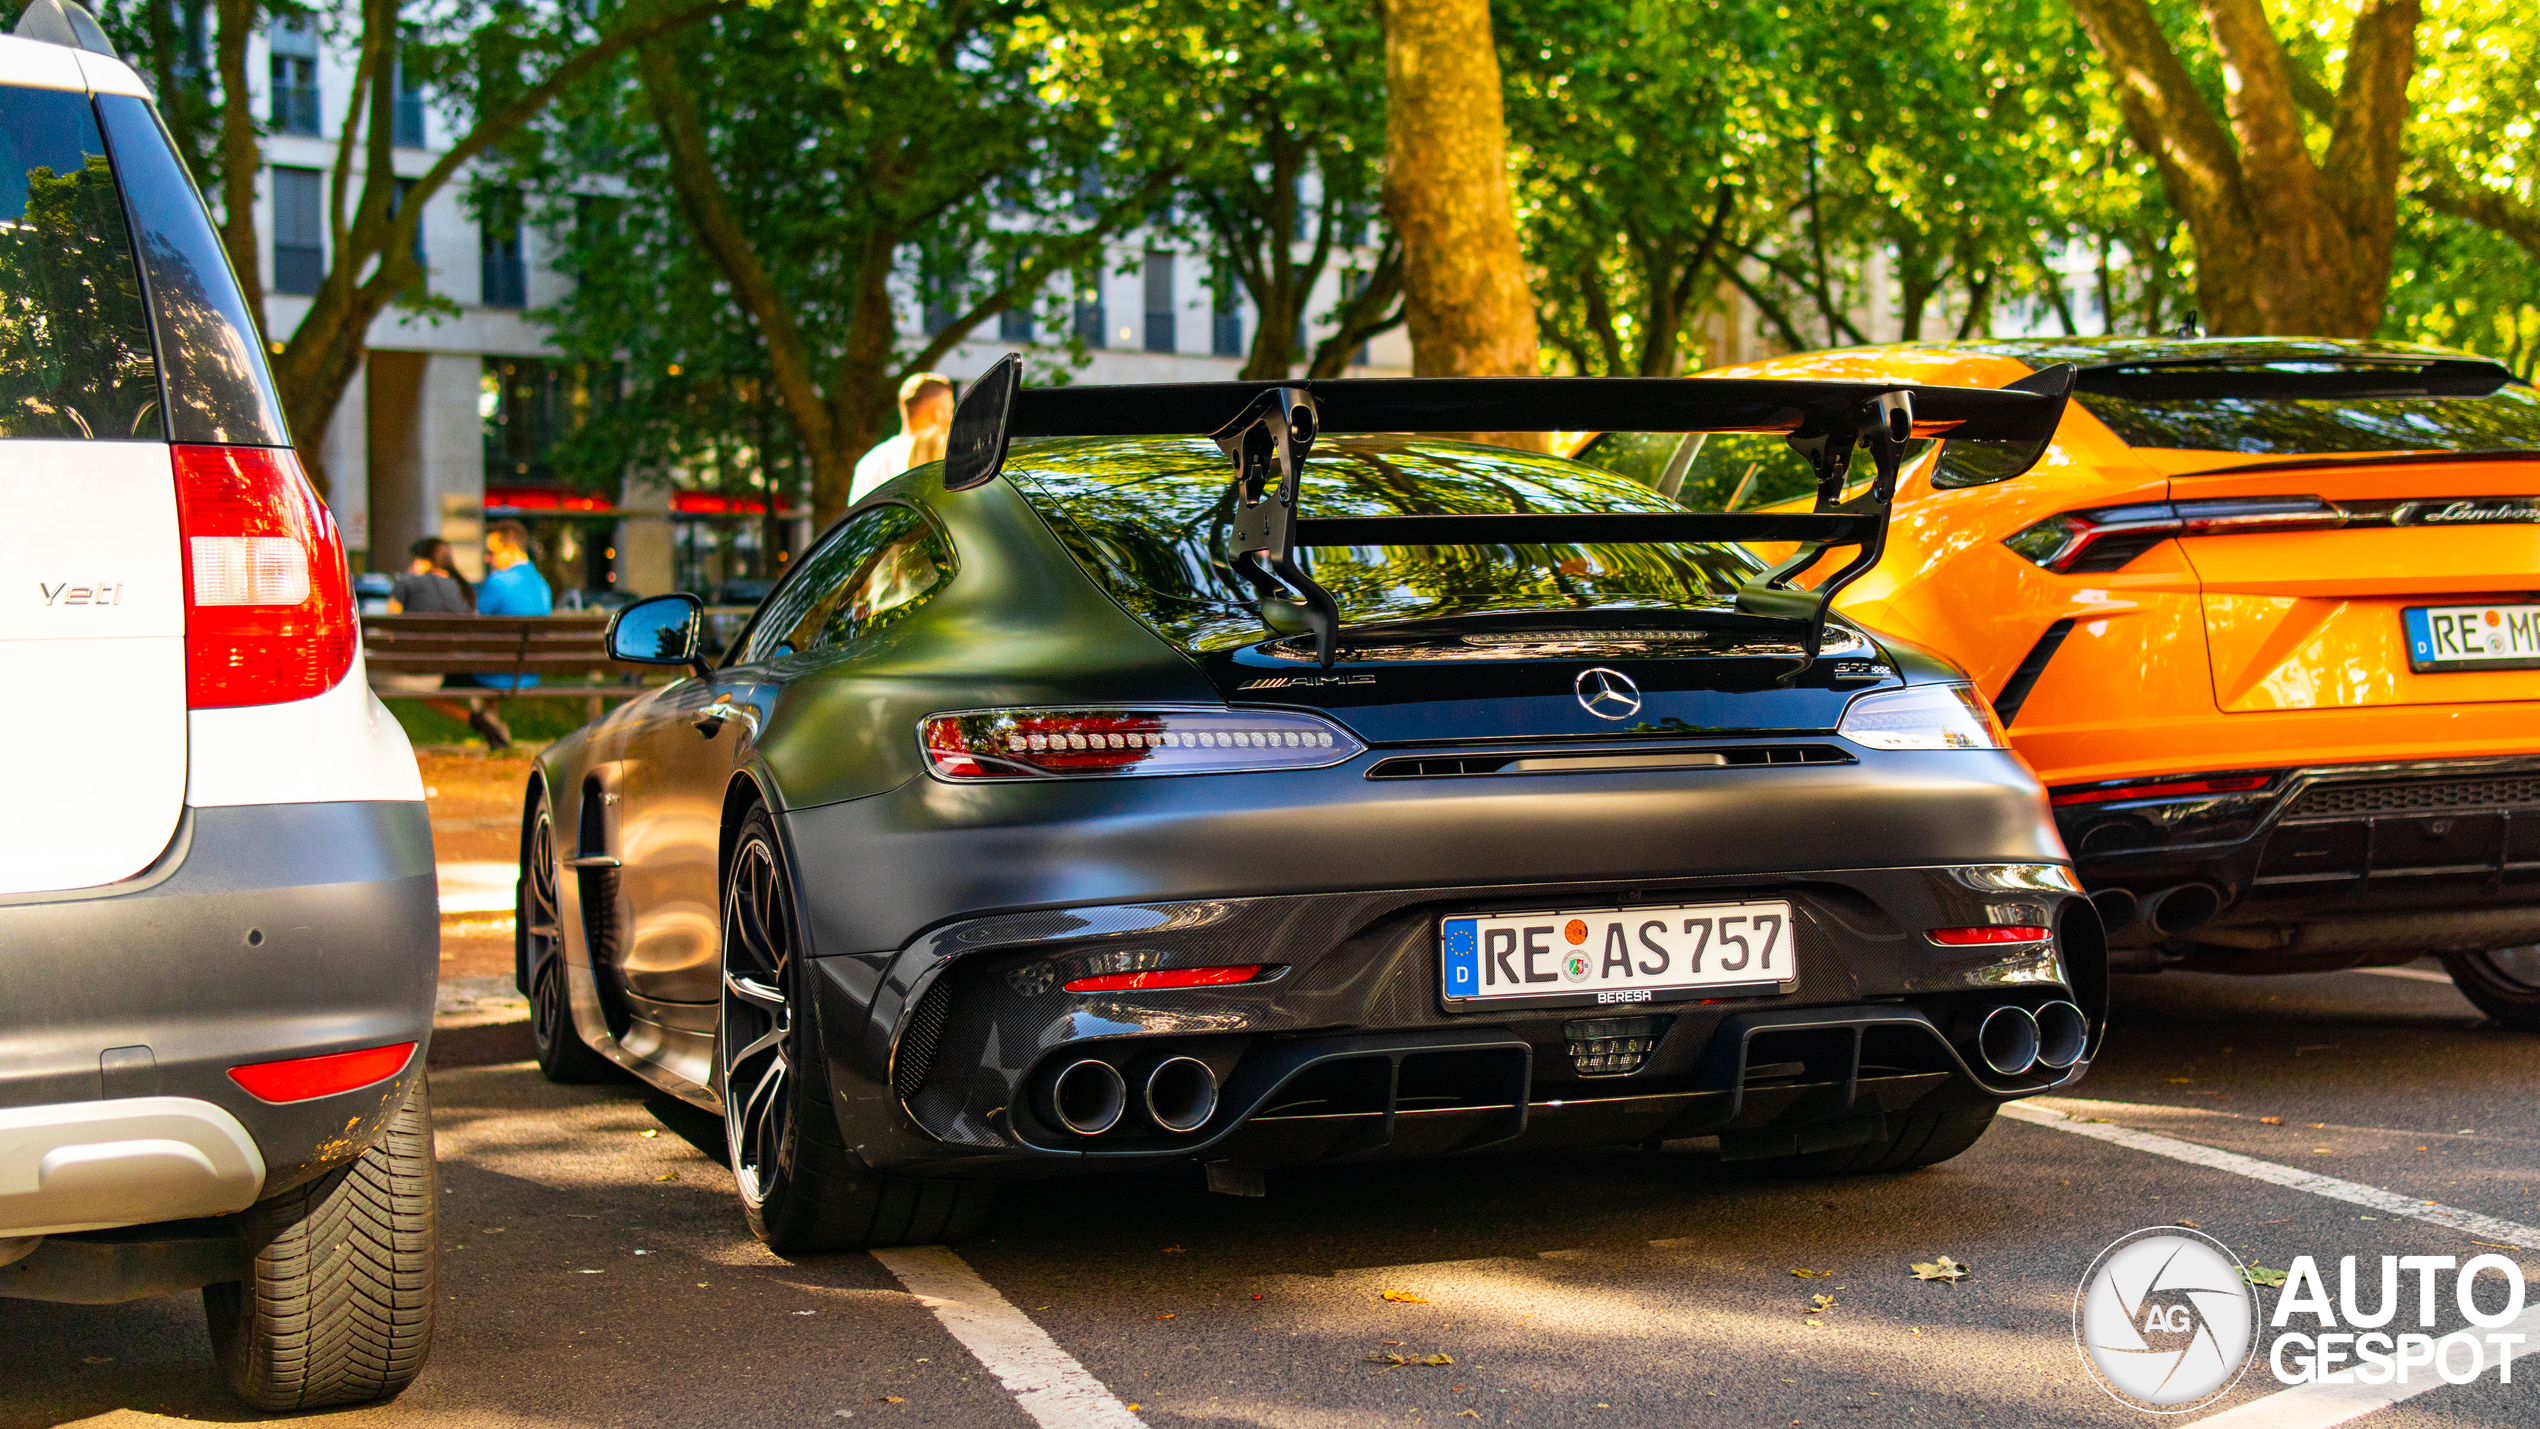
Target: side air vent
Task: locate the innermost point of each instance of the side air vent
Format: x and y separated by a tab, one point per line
925	1032
1447	766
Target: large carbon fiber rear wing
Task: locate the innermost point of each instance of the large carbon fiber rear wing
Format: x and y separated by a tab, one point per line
1267	429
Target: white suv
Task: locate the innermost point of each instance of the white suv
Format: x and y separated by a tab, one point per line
218	935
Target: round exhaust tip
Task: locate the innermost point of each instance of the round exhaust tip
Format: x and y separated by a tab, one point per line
2006	1039
1088	1097
2176	910
2062	1035
1181	1094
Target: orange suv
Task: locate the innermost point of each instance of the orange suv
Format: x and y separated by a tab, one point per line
2266	620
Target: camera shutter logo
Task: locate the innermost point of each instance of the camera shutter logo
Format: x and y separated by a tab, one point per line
2165	1321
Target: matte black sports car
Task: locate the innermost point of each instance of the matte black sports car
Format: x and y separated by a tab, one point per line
1311	792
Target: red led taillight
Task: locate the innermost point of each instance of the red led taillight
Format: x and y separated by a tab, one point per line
981	745
2169	789
2003	933
268	604
303	1078
1167	977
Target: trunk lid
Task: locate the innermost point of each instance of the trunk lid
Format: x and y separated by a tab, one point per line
1560	675
2308	568
93	629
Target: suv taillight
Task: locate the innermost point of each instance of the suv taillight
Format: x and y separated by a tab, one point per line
268	605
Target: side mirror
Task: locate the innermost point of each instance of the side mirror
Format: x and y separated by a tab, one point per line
665	630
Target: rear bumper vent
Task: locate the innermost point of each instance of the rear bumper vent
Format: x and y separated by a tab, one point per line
2332	800
1603	761
924	1033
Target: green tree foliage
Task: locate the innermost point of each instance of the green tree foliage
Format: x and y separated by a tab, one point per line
1966	155
1269	115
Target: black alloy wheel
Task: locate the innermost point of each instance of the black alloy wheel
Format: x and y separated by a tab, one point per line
539	934
2504	983
801	1188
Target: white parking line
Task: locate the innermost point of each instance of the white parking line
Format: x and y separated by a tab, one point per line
1045	1380
2317	1406
2354	1192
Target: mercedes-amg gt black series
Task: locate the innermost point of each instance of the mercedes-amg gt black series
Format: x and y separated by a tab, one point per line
1229	778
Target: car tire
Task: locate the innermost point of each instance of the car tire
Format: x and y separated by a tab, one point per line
336	1305
801	1188
1921	1139
2504	984
554	1038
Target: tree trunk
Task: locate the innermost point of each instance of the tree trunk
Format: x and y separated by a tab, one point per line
1447	193
2286	244
240	157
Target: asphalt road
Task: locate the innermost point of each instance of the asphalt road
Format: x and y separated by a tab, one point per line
596	1270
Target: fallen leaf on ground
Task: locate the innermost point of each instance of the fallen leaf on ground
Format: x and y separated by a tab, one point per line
2261	1275
1812	1274
1468	1414
1941	1268
2271	1121
1818	1304
893	1399
1174	1250
648	1135
1167	1315
2191	1225
667	1176
1405	1297
2181	1081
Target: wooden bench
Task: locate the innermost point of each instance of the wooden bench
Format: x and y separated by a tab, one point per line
565	651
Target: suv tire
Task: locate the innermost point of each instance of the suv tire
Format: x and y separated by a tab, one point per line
336	1306
801	1188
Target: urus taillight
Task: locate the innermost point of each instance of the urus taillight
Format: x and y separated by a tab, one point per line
268	603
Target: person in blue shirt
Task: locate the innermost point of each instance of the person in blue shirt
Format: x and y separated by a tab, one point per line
512	586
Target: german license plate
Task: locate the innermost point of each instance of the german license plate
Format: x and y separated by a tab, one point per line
2472	637
1606	956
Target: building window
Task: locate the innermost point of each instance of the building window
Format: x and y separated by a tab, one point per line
1015	323
295	91
942	275
502	259
408	127
1089	312
299	230
397	205
1160	327
520	400
1226	322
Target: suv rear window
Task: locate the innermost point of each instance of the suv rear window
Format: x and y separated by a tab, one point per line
75	351
2508	419
1148	520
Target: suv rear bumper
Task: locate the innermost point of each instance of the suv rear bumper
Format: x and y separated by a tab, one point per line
265	932
2324	866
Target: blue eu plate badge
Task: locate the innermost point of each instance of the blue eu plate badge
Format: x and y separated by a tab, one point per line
1463	958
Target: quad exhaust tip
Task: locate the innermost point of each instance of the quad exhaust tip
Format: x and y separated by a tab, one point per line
2005	1040
1087	1097
1181	1094
2063	1033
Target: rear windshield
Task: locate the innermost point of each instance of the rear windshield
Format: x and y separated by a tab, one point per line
2507	420
75	352
1148	520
